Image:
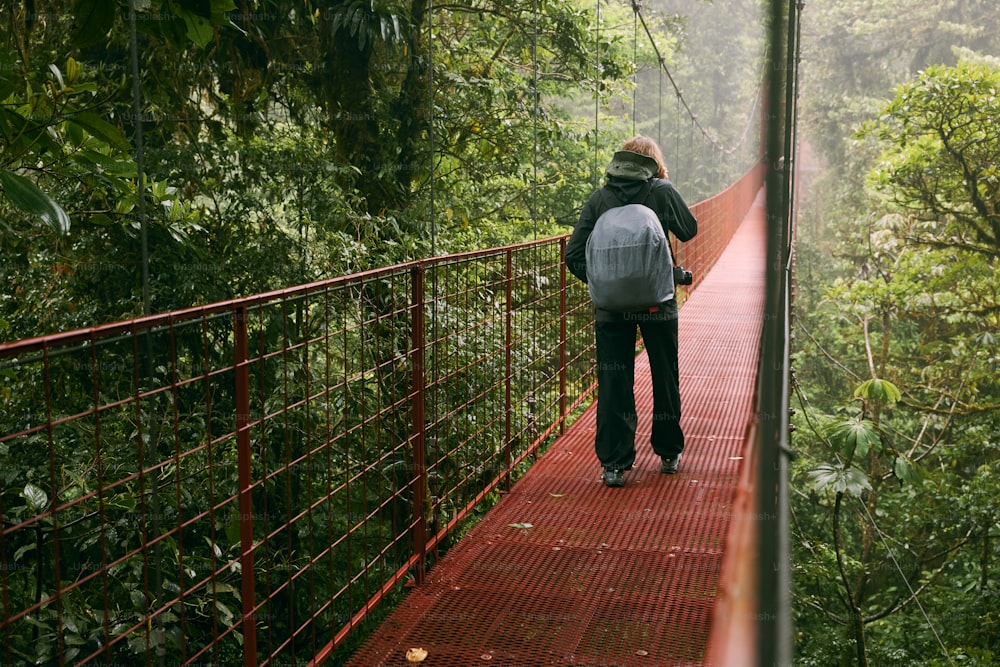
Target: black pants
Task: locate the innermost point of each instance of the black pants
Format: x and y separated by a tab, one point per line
616	413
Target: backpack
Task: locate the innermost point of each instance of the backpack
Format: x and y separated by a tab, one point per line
629	267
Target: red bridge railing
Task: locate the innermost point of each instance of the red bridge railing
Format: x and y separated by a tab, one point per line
247	481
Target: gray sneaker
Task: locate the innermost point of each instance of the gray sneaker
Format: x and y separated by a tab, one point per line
670	464
613	478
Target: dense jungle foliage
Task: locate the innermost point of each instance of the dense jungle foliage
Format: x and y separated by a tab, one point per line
286	141
897	480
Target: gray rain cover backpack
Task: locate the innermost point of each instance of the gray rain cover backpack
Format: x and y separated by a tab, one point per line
629	267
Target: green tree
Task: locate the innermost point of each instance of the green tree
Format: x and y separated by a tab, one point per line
941	166
892	495
855	52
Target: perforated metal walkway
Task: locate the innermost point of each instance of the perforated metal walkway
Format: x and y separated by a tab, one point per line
607	576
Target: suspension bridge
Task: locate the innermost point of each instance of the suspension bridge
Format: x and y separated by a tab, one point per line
342	435
567	571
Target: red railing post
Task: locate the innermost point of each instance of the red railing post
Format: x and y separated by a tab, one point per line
508	374
562	336
417	306
244	460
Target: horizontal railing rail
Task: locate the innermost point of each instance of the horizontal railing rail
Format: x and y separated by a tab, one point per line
247	481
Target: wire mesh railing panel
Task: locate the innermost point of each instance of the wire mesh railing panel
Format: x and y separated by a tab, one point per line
718	218
497	369
330	439
117	493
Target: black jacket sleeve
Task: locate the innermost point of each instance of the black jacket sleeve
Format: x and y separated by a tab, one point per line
673	211
576	247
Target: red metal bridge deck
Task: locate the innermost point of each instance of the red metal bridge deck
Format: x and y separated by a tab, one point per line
565	571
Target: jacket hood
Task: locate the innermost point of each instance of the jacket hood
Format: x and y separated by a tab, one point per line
630	166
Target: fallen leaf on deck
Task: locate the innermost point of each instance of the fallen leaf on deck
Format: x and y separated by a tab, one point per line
416	655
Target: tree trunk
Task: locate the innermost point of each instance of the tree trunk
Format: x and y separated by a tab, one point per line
411	107
348	98
858	630
856	622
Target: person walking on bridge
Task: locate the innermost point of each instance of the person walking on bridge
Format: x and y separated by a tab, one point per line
637	175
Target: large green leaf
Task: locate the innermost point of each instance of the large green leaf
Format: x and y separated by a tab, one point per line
854	436
27	196
36	499
101	129
221	7
107	164
199	29
850	481
906	470
881	391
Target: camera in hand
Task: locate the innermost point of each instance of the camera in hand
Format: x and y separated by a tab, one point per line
682	276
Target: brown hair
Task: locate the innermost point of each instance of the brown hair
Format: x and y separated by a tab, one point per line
644	145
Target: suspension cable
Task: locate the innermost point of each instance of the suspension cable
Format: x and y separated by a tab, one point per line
534	114
677	129
635	65
597	92
430	118
637	9
139	157
659	110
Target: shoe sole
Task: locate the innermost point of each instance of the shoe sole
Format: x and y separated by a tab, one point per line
673	470
617	484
